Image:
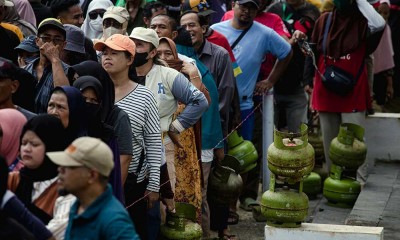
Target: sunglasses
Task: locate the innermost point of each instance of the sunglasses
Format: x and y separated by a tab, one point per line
94	15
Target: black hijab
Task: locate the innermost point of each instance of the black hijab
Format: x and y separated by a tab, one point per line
94	69
96	128
51	132
78	122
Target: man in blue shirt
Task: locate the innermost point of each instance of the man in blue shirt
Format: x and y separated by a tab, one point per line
250	52
250	49
84	169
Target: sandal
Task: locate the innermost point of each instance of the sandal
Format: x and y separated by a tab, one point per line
226	236
233	218
248	204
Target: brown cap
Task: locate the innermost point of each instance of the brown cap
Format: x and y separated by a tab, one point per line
86	151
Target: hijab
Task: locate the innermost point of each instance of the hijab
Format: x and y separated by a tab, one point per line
11	123
347	31
87	27
94	69
104	131
25	95
176	63
96	127
25	11
77	124
51	132
13	17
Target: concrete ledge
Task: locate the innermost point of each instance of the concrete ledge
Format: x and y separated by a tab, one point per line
385	115
373	202
311	231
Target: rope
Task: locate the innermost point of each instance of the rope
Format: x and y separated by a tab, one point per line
237	127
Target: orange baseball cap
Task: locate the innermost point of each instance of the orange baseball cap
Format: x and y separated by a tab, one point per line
117	42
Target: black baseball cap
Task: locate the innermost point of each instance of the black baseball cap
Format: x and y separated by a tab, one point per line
52	23
255	2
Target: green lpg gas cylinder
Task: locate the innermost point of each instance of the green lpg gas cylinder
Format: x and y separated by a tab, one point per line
312	184
315	139
284	207
343	192
348	148
182	224
225	183
243	150
290	155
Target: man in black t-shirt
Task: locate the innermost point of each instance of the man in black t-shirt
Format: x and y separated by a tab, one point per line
291	100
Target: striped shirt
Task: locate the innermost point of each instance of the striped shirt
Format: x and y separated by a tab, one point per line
141	107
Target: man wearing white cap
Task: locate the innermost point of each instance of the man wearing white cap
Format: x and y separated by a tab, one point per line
168	86
115	20
84	170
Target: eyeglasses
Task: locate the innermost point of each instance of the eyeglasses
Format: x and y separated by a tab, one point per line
94	15
56	41
108	22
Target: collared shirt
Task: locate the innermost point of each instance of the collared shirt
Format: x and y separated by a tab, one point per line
44	86
217	60
105	218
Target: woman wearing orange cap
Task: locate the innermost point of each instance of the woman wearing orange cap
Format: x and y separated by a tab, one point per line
138	102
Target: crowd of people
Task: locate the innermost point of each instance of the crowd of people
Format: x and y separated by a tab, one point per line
113	111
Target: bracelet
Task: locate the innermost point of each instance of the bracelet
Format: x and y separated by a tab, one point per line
194	77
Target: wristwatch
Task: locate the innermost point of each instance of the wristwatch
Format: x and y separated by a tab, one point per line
173	129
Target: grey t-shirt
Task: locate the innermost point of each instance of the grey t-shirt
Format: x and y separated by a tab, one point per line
122	129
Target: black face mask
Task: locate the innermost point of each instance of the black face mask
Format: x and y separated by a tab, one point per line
92	110
140	59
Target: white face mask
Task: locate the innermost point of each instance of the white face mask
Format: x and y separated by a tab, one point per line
97	24
108	32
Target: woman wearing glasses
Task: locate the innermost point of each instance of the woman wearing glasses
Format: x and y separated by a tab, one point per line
93	24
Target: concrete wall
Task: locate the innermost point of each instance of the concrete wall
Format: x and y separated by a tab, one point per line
382	133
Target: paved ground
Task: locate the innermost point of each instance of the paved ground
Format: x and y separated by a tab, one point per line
377	205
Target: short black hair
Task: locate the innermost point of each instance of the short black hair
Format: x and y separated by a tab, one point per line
59	6
148	8
7	69
172	21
